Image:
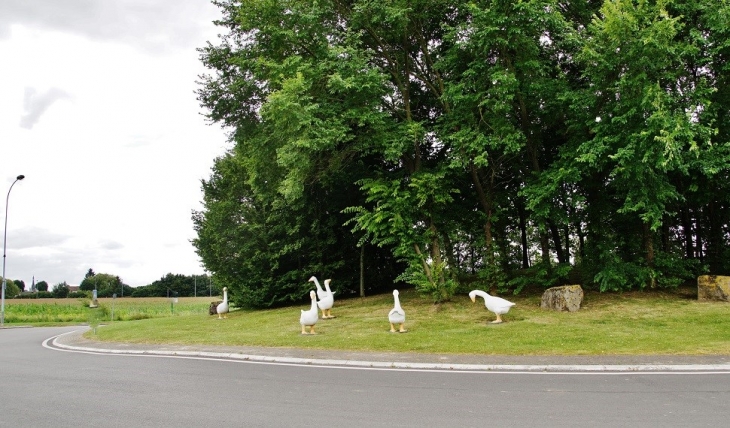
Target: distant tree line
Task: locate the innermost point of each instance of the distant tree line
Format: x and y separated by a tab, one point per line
40	291
446	143
183	285
107	285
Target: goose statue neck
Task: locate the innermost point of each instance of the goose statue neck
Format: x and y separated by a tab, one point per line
320	291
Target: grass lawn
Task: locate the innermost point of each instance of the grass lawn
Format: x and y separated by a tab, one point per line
671	322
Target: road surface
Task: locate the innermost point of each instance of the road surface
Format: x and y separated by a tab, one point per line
44	387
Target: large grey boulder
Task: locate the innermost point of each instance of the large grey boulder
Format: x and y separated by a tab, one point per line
563	298
713	287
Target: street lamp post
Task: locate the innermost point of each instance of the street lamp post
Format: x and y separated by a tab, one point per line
5	240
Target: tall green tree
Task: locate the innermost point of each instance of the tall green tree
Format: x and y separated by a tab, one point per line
304	128
460	141
11	290
648	124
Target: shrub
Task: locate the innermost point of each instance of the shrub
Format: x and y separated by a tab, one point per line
79	295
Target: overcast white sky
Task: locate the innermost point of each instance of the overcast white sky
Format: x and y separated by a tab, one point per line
98	111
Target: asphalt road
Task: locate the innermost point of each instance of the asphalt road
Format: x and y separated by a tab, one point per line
42	387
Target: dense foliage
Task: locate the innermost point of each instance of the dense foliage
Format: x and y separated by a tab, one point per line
61	290
442	142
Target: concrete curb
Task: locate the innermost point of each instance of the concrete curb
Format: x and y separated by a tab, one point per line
72	342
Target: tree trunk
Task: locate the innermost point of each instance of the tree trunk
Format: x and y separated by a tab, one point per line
699	235
649	248
648	244
687	229
362	271
556	240
567	243
436	252
544	246
523	236
485	200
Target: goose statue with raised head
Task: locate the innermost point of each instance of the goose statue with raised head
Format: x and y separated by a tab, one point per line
326	303
320	291
397	315
309	318
222	308
495	304
326	297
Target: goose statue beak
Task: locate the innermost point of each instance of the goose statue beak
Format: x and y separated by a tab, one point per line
473	299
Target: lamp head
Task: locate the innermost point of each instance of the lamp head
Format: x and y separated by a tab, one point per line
20	177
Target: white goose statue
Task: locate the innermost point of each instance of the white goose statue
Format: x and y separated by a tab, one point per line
222	308
310	317
326	297
495	304
329	301
397	315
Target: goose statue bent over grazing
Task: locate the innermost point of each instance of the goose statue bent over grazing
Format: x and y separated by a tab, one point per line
495	304
310	317
397	315
222	308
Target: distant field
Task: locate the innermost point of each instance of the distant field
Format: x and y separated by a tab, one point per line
70	311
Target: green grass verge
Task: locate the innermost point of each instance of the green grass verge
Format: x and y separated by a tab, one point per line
615	324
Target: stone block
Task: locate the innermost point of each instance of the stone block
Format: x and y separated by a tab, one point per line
713	287
563	298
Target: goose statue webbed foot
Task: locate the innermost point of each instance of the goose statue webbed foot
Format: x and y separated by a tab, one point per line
311	330
400	330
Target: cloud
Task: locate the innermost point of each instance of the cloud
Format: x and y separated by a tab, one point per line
153	25
35	237
53	266
36	104
109	244
56	258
